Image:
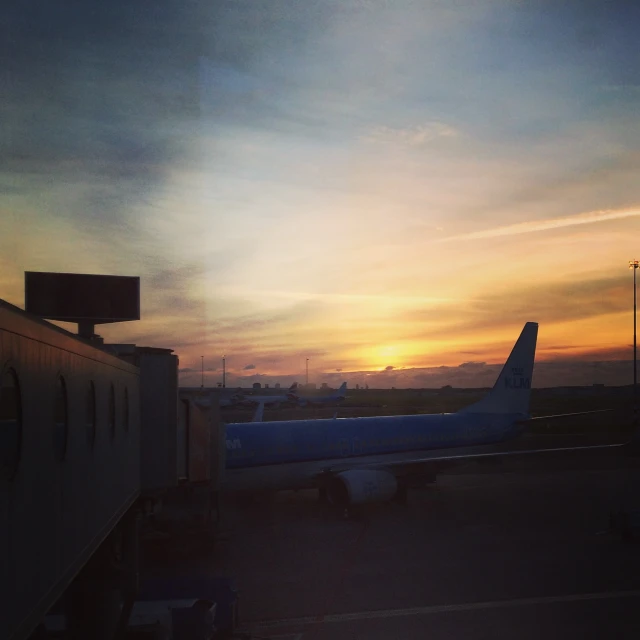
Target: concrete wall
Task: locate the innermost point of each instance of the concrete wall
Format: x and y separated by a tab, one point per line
62	500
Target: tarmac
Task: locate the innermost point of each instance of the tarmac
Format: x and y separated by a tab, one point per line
484	553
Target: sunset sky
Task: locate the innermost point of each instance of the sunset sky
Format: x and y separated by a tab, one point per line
390	187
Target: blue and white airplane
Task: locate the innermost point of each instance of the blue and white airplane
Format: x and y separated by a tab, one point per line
239	399
357	460
269	401
330	399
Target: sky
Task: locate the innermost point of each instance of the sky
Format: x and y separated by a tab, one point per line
387	188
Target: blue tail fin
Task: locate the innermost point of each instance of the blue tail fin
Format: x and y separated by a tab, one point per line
512	390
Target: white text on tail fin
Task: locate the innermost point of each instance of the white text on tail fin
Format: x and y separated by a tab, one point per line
512	389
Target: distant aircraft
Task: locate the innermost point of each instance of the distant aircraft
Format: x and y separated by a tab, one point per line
228	400
333	398
239	399
358	460
269	401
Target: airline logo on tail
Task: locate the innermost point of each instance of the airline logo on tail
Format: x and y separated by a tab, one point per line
517	379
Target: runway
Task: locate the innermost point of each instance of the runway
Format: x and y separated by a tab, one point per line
485	555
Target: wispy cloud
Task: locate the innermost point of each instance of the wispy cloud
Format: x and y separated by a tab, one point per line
341	298
548	303
532	226
410	136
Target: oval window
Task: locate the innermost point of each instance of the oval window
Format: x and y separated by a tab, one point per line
125	409
112	413
10	423
60	419
90	414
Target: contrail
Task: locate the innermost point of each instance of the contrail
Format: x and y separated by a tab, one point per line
544	225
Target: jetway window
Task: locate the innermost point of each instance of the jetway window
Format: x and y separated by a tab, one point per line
10	423
60	419
112	413
125	410
90	414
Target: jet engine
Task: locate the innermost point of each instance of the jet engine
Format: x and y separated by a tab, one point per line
358	486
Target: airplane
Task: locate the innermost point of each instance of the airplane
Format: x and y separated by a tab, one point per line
358	460
231	400
239	399
333	398
270	401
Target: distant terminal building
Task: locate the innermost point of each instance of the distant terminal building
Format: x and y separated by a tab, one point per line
257	385
277	385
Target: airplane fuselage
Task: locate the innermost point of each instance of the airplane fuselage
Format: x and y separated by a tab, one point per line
288	454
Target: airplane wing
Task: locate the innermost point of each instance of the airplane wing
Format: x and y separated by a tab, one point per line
431	461
559	416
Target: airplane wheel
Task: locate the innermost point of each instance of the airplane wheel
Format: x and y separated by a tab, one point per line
402	494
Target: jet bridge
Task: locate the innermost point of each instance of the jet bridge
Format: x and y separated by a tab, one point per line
90	438
70	453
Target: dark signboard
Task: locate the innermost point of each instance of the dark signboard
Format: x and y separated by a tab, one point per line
80	297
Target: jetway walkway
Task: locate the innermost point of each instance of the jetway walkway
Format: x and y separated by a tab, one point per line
89	437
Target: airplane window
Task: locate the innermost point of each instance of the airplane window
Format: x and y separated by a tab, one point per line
60	419
90	414
125	409
10	423
112	413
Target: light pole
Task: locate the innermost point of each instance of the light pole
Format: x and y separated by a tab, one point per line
224	372
307	384
633	264
202	377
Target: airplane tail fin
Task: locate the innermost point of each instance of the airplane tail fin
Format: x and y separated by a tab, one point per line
257	416
342	391
512	390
